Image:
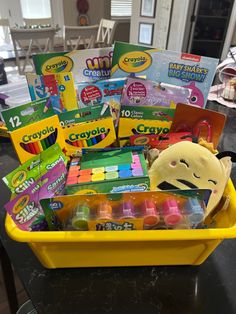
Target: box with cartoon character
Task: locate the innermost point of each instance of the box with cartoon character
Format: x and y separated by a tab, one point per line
182	69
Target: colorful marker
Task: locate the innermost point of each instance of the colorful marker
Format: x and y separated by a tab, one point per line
171	212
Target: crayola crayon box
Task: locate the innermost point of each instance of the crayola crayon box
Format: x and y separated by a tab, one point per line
86	65
91	127
59	87
143	120
108	171
32	139
29	172
20	116
106	91
182	69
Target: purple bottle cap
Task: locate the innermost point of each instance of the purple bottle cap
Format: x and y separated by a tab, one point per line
171	212
128	210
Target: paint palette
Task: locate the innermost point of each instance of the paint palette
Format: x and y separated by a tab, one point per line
103	173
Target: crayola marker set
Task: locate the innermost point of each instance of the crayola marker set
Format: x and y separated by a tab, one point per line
25	208
127	211
37	137
91	127
182	69
25	175
108	171
86	65
143	120
59	87
20	116
142	92
107	91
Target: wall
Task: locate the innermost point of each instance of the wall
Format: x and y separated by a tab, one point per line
160	22
97	9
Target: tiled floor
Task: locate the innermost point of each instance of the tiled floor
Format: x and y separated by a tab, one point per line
21	294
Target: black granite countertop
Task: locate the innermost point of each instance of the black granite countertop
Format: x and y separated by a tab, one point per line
209	288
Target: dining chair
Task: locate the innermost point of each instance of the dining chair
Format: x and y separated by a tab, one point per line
43	21
106	33
75	37
27	41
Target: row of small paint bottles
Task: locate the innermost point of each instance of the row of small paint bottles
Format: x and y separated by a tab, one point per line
169	214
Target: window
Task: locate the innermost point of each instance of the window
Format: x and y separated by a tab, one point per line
36	9
121	8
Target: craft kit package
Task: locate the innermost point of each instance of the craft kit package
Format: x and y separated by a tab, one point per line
108	91
59	87
143	120
86	65
127	211
109	170
25	175
87	127
25	208
182	69
143	92
32	139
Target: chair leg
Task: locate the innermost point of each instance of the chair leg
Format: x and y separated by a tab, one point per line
8	278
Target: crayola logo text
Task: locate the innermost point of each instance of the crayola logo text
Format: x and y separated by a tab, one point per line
135	61
27	213
38	135
87	134
57	64
145	129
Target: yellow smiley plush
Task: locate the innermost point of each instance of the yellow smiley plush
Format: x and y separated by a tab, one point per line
189	165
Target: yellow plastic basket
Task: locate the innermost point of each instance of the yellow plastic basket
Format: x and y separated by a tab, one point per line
129	248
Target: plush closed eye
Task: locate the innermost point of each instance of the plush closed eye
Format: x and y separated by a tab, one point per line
196	176
213	181
183	161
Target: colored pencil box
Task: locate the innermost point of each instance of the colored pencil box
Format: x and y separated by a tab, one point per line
37	137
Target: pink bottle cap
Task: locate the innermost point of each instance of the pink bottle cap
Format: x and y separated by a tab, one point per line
171	212
150	214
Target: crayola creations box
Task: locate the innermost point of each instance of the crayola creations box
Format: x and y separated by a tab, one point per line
86	65
108	170
32	139
182	69
143	120
58	87
103	91
91	127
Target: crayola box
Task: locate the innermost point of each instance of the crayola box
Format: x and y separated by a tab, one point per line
86	65
182	69
107	91
25	175
59	87
32	139
91	127
143	120
25	208
108	171
20	116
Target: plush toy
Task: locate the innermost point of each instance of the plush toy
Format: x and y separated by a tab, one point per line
189	165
